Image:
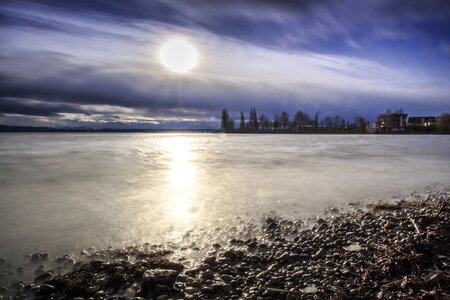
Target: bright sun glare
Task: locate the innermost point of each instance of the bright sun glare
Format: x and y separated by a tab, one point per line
178	56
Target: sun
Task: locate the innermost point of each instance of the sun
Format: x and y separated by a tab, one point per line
178	56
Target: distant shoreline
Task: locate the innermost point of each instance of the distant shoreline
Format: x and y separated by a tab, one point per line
341	133
31	129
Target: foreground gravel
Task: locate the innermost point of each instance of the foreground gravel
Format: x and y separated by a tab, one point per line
395	250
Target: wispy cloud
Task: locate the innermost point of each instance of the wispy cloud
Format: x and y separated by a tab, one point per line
97	61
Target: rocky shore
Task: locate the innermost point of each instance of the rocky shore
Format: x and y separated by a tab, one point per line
388	250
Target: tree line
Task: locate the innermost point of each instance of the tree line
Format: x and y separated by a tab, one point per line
301	121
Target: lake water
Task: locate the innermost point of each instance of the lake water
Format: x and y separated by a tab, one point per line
63	192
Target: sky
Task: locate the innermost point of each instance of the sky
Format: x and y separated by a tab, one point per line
96	63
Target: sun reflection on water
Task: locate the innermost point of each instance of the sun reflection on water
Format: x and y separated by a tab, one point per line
181	178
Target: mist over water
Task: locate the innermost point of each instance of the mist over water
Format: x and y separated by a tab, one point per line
63	192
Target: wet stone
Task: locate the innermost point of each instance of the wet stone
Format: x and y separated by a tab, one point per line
39	257
182	278
206	275
160	289
207	290
151	278
194	284
46	289
44	277
231	254
227	288
191	290
210	260
320	261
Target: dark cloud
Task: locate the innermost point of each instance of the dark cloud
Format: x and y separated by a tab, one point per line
74	88
69	85
36	108
52	96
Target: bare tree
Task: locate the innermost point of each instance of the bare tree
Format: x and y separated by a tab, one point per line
284	119
266	124
338	122
316	120
328	122
360	123
276	122
443	123
301	119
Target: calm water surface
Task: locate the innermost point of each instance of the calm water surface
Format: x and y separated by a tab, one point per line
63	192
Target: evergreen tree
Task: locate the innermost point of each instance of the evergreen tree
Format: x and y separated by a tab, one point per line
264	122
316	120
253	119
230	124
242	123
225	119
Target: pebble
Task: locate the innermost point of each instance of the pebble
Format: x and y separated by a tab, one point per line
191	290
227	278
206	275
337	256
